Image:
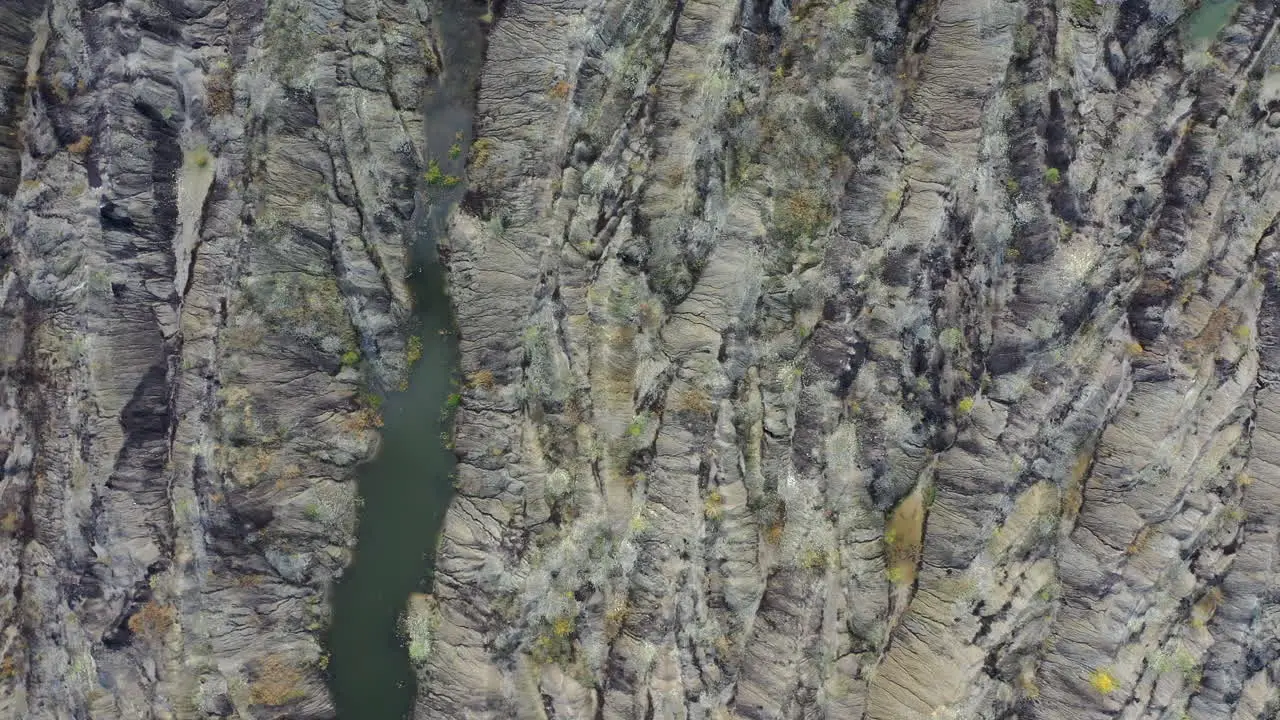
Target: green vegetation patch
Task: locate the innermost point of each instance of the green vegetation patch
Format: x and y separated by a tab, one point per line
309	307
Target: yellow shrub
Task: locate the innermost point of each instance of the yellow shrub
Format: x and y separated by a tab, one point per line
1103	681
714	505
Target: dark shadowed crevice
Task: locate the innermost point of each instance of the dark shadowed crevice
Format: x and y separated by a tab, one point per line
17	18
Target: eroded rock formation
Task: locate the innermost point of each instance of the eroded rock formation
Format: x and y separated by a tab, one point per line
855	359
866	360
203	209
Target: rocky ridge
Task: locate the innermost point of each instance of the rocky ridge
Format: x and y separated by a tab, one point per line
203	209
865	360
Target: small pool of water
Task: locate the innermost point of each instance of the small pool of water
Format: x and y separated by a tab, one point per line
406	489
1205	22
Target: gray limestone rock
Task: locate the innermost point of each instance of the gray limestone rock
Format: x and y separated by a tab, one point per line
202	218
850	359
893	361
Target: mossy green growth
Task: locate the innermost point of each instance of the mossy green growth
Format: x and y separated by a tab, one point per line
930	495
1085	9
419	625
480	150
351	358
1053	176
714	505
303	305
554	642
200	157
637	426
289	52
951	339
814	559
434	176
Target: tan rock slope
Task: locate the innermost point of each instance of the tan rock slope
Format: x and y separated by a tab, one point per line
867	360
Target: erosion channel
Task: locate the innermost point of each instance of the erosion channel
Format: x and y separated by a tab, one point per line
406	489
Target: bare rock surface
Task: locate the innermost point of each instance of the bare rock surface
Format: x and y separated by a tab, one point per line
849	359
866	360
202	217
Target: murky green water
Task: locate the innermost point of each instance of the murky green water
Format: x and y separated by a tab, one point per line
406	489
1206	21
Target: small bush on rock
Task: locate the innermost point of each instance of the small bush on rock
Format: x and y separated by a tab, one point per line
277	682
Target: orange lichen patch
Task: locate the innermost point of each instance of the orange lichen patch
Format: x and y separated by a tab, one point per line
152	620
480	379
696	401
1073	493
560	90
774	533
220	91
1155	287
251	466
802	213
250	580
365	419
81	146
1206	607
277	683
1140	541
1210	337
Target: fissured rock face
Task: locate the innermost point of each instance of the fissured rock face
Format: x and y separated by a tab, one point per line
865	360
845	360
202	217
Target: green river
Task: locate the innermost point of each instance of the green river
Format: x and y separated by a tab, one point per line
406	489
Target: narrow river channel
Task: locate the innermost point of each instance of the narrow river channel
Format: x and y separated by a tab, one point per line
406	489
